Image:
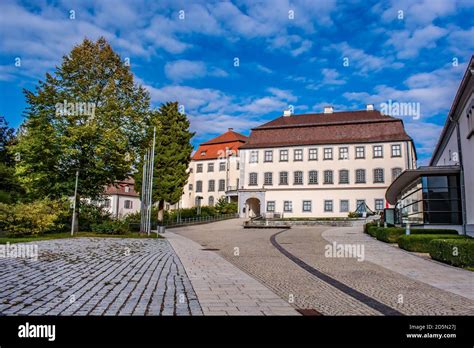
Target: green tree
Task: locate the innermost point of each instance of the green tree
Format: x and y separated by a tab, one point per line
9	186
172	155
90	116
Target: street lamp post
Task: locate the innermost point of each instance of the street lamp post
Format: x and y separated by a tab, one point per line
74	204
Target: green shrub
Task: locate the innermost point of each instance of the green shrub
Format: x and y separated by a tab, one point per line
421	242
36	217
353	215
456	252
224	207
110	227
391	234
92	214
372	230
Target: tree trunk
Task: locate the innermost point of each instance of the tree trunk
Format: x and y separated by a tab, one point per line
161	205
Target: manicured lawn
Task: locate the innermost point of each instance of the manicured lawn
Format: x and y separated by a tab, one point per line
49	236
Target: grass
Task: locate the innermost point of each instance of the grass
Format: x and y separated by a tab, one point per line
62	235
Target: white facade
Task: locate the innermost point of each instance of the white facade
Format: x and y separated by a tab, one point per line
322	180
120	206
456	144
210	180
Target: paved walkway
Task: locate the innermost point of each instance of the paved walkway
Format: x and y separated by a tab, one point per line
437	274
293	264
97	276
222	288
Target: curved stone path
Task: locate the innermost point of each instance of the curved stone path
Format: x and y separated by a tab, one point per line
304	290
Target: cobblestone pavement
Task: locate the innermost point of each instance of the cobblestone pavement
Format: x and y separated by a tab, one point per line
97	276
417	266
340	286
222	288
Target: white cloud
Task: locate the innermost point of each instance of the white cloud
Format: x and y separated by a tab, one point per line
180	70
362	61
408	44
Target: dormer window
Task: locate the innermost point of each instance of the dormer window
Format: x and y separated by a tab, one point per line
203	153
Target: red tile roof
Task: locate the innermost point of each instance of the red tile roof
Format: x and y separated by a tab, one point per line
118	188
216	147
335	128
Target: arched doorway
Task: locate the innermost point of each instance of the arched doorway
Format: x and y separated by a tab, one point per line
252	207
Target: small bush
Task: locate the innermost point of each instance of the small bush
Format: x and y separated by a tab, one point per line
91	214
391	234
110	227
372	230
421	242
353	215
36	217
456	252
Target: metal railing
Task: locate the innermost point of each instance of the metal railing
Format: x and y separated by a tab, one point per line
200	220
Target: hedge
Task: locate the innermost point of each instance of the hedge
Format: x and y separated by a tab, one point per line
421	242
456	252
391	234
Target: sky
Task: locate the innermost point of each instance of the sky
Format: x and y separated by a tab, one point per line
238	64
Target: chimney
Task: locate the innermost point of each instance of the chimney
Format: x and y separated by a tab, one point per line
286	112
230	129
370	107
328	109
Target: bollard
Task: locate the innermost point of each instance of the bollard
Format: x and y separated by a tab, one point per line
407	230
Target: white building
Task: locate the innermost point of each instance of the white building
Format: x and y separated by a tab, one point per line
121	199
322	165
214	171
442	194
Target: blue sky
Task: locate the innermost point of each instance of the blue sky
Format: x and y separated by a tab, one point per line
289	53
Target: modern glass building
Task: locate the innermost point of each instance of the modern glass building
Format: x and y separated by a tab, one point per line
427	196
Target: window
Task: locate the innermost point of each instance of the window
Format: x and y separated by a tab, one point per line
298	178
238	165
253	156
360	152
268	156
379	204
378	175
253	179
210	167
199	168
306	206
343	176
190	187
211	201
127	189
287	206
343	153
268	178
378	151
128	204
328	153
107	203
313	177
270	206
283	178
313	154
344	206
298	155
470	120
360	176
199	186
361	206
396	172
221	185
211	185
328	206
222	166
328	177
283	155
397	150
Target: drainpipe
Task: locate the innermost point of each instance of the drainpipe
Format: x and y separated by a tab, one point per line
461	178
